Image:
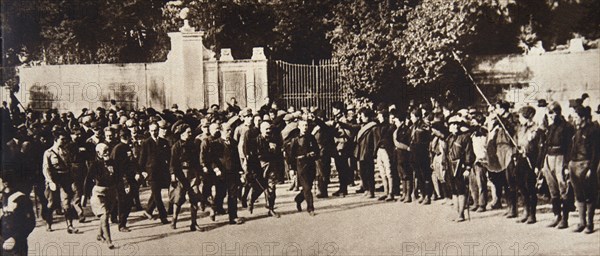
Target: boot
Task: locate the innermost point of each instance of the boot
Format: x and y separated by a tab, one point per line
556	210
532	219
409	189
590	218
512	206
461	208
403	196
581	209
564	221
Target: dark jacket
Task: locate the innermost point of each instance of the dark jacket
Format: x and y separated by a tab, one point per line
556	141
303	152
154	159
365	143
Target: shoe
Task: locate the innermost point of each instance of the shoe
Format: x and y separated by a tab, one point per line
82	220
523	220
114	220
474	208
421	199
531	219
236	221
251	207
272	213
427	201
563	224
322	196
589	229
339	193
48	228
460	219
579	228
371	195
100	238
72	230
312	214
511	215
366	194
111	245
173	225
390	199
360	190
195	227
408	200
497	205
382	198
124	229
244	203
148	215
164	221
298	206
481	209
555	222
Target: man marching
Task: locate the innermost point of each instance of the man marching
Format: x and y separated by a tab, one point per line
303	151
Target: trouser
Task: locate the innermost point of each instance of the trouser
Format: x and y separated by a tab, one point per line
456	181
306	177
553	171
498	179
155	200
478	185
422	174
437	175
61	197
345	174
264	180
233	186
367	175
323	174
220	194
384	166
208	181
80	172
521	178
585	187
123	205
39	188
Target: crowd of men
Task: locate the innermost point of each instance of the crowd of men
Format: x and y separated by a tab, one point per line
428	151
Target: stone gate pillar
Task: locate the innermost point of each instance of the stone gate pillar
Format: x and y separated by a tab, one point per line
185	62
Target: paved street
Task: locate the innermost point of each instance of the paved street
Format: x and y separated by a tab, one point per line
343	226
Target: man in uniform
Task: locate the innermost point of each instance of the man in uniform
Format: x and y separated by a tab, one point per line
419	145
245	135
154	159
383	133
56	168
583	164
324	134
401	139
460	156
343	142
553	160
210	151
302	153
185	172
122	156
79	169
259	172
527	137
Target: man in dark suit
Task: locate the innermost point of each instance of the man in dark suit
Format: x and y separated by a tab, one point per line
154	159
365	151
303	152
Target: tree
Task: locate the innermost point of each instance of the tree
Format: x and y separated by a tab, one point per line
361	37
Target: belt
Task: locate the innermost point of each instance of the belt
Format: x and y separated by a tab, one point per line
61	172
555	150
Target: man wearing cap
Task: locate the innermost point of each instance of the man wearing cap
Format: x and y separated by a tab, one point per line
154	160
246	135
210	152
185	172
460	157
583	164
56	168
553	161
521	170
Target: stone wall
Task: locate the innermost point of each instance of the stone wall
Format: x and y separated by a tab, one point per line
191	77
552	76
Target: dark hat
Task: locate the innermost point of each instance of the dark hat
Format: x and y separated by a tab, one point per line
124	133
542	103
180	128
338	105
598	109
439	126
583	111
584	96
174	106
574	103
527	112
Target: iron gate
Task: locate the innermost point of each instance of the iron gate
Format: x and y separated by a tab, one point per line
302	85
